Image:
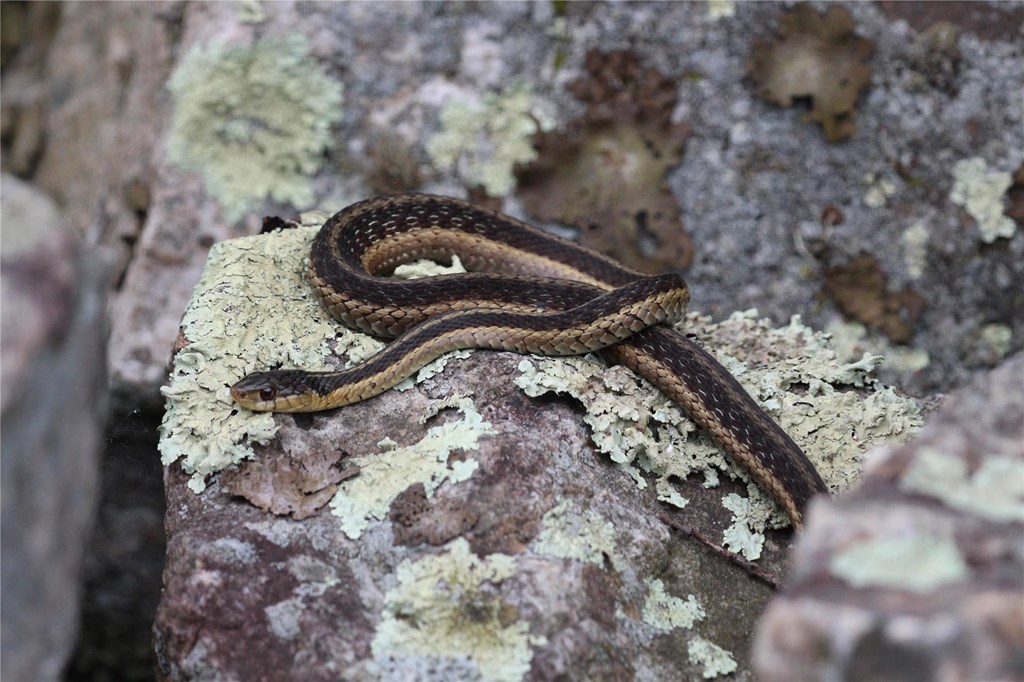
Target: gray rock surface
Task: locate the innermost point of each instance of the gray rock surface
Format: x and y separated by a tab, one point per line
87	114
753	184
52	409
917	574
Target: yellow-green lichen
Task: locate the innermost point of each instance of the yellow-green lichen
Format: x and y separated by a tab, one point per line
484	140
571	533
982	192
254	120
384	475
879	190
449	606
997	338
884	561
852	339
665	612
668	494
740	536
994	491
915	249
721	9
636	425
716	660
315	577
251	11
252	309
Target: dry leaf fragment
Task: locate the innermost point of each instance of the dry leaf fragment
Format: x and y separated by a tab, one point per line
859	289
606	174
815	56
287	484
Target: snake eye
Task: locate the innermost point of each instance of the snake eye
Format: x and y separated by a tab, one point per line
267	393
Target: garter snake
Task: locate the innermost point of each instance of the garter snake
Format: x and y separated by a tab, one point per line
527	291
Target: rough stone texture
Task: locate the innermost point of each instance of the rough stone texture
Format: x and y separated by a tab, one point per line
753	184
563	507
311	600
918	574
53	403
86	114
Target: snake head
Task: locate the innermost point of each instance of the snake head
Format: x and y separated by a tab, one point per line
274	391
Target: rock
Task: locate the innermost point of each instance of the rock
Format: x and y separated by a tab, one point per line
457	525
918	573
53	405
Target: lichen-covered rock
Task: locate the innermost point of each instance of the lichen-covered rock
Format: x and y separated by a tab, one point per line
485	533
52	404
919	572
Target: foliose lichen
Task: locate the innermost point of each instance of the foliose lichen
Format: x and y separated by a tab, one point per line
384	475
254	120
982	192
485	139
883	562
666	612
642	430
252	309
994	491
716	660
448	606
571	533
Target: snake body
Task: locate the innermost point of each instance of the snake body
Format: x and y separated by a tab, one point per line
527	291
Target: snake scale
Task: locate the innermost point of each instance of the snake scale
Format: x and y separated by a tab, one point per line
526	291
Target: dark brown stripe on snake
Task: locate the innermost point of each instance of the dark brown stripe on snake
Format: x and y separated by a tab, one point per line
538	294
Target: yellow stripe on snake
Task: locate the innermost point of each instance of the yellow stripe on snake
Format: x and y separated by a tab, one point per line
528	292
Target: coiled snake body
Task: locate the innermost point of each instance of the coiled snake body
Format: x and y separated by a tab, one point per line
530	292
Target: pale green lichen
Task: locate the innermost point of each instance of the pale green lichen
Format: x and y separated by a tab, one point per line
884	561
850	339
251	11
994	491
254	120
284	618
315	577
982	192
721	9
252	309
668	494
571	533
448	606
636	425
878	192
998	338
716	660
915	249
384	475
665	612
484	140
740	536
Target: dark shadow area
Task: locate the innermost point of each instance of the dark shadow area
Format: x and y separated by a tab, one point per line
124	561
